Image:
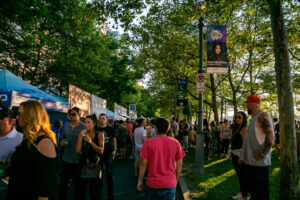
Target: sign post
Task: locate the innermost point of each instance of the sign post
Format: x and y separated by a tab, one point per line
199	155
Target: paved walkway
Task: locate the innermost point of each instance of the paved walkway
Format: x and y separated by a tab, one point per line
124	181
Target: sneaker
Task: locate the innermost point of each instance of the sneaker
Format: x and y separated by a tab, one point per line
237	196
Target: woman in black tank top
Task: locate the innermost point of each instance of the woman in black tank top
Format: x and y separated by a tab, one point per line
90	143
238	134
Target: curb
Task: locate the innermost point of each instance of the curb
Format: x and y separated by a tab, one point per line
182	191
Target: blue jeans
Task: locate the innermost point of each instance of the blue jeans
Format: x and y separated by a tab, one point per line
161	194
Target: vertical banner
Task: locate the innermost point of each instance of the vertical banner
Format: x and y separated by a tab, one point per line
216	50
80	99
120	110
200	83
182	93
98	105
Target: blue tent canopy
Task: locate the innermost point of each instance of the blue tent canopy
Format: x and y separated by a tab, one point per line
110	114
14	91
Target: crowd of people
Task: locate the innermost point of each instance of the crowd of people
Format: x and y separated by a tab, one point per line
40	162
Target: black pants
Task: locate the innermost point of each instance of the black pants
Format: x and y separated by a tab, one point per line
206	140
225	145
69	172
107	161
129	146
258	182
94	188
241	173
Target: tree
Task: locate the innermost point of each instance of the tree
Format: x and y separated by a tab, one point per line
289	183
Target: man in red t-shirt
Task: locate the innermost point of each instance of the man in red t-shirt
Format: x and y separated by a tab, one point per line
162	156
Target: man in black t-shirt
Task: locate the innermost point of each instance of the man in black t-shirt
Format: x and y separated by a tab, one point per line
110	147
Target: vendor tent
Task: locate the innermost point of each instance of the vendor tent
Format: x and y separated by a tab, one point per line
14	91
109	114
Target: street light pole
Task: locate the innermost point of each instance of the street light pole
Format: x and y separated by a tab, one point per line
199	154
175	98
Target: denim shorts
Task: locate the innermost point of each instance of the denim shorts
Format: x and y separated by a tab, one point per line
161	194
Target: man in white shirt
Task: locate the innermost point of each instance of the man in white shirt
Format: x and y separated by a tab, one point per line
140	136
9	139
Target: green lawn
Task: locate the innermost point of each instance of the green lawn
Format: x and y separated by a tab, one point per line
220	181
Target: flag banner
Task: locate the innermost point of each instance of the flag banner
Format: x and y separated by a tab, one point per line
216	50
200	83
182	93
98	105
80	99
120	110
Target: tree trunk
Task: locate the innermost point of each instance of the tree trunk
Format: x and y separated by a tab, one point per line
288	155
214	98
234	103
222	108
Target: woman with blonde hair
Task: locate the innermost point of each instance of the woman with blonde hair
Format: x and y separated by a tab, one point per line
33	171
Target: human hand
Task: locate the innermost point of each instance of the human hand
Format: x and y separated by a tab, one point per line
140	186
82	133
258	156
114	154
87	139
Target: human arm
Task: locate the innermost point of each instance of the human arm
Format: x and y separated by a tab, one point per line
144	137
264	121
62	137
243	132
143	167
99	149
101	142
115	147
46	168
79	141
178	168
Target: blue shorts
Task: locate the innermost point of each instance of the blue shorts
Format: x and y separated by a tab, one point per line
161	194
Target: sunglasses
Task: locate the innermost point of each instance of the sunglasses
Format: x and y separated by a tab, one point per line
73	114
238	117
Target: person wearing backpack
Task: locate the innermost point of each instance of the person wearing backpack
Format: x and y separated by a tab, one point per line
225	138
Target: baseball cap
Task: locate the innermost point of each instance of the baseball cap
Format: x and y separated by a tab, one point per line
6	112
252	99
